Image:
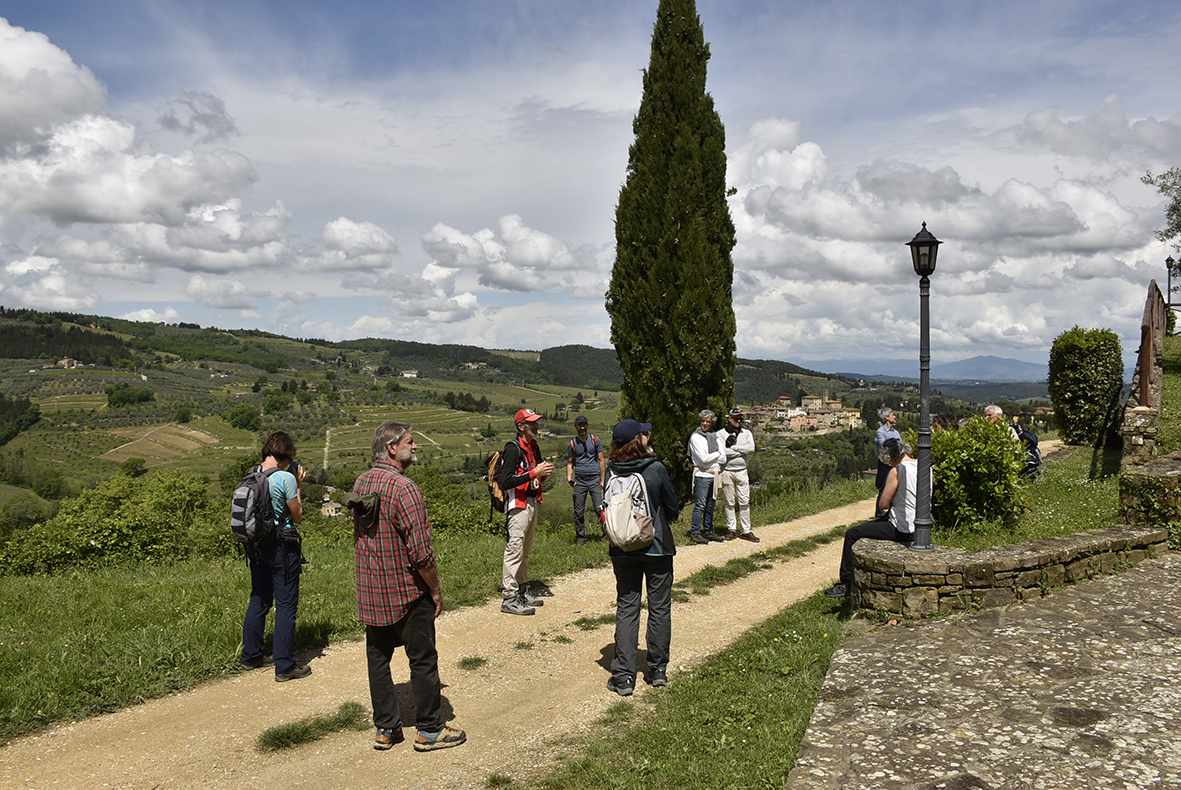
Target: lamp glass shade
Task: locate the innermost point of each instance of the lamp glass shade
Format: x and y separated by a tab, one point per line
924	249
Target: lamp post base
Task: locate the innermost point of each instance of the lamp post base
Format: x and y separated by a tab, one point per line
924	549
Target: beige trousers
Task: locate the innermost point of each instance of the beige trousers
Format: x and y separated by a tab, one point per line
522	527
736	490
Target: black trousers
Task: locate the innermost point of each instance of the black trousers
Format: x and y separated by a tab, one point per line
880	483
877	530
416	631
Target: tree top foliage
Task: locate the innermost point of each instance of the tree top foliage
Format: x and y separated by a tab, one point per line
672	320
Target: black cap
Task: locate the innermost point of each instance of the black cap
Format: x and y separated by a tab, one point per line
580	420
627	430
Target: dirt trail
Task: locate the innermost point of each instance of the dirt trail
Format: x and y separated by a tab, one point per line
517	709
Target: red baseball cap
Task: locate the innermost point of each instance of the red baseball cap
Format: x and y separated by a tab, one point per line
526	415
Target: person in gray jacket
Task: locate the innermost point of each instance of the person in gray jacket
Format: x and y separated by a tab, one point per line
653	564
737	443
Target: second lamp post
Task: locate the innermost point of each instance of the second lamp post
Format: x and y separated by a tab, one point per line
924	248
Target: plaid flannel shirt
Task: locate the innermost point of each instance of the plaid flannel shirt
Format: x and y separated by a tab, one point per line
389	553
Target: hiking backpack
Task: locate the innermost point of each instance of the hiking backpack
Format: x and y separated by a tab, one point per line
1033	456
496	495
252	512
590	438
627	518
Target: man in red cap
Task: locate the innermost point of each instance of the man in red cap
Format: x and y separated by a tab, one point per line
521	473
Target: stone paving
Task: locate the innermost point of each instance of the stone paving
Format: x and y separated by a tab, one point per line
1074	691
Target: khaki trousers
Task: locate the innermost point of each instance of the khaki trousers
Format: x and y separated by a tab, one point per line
522	527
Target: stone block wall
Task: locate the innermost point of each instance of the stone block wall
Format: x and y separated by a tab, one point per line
891	577
1150	495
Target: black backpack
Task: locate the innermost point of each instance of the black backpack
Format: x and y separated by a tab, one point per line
1033	456
252	513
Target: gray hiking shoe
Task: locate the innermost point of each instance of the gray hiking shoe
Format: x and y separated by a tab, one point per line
516	605
530	599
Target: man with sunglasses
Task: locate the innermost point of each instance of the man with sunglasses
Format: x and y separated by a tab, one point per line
737	443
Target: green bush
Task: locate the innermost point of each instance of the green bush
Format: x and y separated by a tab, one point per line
1086	376
450	506
161	517
244	417
126	395
977	474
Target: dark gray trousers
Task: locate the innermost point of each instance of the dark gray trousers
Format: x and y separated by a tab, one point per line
583	485
630	573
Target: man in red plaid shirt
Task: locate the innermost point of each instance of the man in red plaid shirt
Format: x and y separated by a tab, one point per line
398	593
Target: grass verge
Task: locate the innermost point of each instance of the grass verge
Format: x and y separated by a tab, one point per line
350	716
735	721
1168	435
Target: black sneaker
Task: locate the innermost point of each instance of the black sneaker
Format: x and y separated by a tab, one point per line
259	663
837	591
300	671
659	677
623	687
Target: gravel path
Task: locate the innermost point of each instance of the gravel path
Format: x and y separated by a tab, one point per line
518	709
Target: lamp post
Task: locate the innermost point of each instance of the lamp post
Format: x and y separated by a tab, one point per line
924	248
1169	264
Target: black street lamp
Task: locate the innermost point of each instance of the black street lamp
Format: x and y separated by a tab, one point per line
924	248
1169	264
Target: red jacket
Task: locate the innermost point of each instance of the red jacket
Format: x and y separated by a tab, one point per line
518	477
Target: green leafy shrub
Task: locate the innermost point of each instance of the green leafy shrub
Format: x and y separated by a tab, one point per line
276	402
127	395
1086	376
977	474
450	506
161	517
244	417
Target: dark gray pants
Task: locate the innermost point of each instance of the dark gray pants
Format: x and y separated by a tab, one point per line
630	573
875	530
583	485
416	630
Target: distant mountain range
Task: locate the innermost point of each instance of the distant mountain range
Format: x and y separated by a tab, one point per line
982	368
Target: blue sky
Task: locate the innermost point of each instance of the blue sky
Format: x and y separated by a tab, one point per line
448	171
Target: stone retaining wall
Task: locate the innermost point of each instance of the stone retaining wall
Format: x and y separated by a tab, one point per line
891	577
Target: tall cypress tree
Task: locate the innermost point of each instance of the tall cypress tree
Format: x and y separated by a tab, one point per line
672	320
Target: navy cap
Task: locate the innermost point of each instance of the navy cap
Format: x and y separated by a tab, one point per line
627	430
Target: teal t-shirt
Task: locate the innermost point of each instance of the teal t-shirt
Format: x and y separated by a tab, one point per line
284	486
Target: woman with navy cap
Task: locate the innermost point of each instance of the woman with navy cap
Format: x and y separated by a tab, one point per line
630	455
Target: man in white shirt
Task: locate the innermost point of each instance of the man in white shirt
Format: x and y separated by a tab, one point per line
736	443
707	459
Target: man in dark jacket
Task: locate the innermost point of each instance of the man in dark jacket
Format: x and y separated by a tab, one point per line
630	455
521	473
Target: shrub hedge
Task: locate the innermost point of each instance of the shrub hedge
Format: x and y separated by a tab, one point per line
1086	376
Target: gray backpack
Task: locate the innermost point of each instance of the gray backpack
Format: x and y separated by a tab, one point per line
252	513
627	518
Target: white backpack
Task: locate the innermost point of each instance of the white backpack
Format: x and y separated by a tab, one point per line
627	519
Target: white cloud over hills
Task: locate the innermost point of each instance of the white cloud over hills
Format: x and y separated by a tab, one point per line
471	199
